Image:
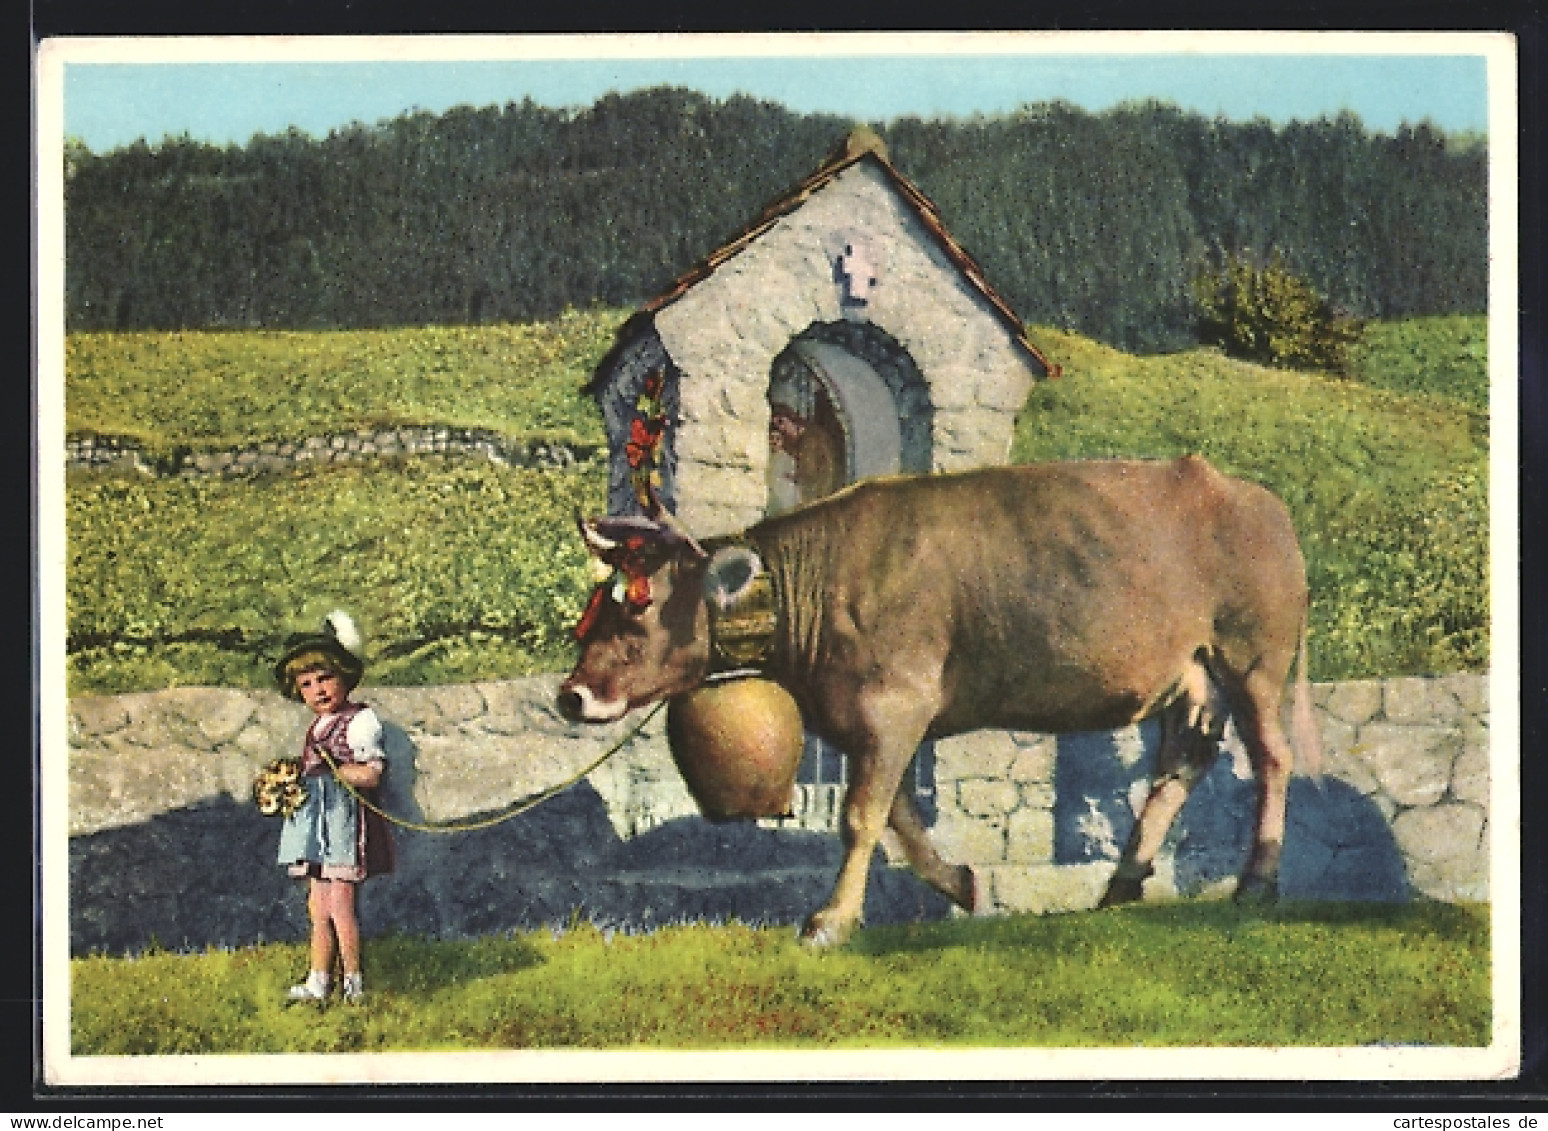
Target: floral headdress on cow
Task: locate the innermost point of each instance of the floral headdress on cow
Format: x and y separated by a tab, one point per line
627	550
625	576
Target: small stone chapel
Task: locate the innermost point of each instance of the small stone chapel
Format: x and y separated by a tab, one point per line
843	334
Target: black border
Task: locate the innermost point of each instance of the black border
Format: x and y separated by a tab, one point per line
1526	19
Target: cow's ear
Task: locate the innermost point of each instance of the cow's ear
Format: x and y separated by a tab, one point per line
729	576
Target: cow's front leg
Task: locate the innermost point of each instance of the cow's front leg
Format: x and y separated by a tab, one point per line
867	802
877	759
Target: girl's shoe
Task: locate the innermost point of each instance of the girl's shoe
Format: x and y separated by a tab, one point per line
314	989
354	988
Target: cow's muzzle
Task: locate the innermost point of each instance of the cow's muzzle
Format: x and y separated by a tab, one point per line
577	703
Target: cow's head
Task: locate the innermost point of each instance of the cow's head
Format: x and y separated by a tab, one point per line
645	633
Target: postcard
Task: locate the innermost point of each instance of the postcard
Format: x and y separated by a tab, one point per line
790	557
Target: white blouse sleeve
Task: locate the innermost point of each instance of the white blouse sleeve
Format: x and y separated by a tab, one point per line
365	737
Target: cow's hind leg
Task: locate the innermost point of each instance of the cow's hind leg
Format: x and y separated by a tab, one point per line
1268	749
1191	730
954	881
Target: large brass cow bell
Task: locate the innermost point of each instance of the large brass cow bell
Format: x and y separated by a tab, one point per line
737	744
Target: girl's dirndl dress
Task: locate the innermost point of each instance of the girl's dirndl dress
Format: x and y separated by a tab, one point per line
332	836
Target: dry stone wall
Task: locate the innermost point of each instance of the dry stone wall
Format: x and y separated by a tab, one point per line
87	452
165	845
1400	810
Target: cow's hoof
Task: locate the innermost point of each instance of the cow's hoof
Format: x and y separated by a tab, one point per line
1126	885
969	898
1121	890
823	933
1257	891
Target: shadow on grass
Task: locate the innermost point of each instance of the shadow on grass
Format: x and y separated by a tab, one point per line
409	965
1446	923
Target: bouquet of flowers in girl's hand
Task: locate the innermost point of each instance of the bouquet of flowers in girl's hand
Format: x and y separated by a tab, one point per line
277	791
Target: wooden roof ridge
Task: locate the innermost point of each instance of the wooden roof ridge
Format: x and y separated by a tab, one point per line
861	144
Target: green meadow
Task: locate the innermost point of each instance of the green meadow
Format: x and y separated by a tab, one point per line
1196	974
202	390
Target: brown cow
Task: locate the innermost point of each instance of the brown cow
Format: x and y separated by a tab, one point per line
1053	598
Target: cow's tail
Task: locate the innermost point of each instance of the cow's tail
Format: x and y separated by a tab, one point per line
1305	735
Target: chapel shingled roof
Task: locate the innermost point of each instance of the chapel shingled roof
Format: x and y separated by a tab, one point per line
862	144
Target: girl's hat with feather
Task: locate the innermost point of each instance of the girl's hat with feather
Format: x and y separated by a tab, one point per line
337	647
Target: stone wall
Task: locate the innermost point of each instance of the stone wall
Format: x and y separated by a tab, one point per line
1400	810
165	845
87	452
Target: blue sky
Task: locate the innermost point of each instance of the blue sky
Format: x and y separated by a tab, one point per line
108	104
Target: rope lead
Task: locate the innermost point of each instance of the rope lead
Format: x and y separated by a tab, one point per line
515	809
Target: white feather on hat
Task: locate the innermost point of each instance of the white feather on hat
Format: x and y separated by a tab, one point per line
342	627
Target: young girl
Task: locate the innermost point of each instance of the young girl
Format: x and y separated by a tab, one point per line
332	840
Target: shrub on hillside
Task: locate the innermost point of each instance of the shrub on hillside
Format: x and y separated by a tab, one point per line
1267	314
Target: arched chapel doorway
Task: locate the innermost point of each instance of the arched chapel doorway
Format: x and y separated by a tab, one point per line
846	402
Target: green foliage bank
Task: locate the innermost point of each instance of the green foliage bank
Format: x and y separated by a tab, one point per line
456	572
1264	313
209	391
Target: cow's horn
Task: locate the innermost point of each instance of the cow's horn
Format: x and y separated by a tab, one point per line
595	542
656	510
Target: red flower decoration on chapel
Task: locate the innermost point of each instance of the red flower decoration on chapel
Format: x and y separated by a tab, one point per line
644	441
647	431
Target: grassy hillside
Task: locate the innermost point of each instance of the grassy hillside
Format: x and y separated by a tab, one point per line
1445	357
207	390
463	571
455	572
1198	974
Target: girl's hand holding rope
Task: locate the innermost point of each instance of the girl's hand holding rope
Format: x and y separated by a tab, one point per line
361	775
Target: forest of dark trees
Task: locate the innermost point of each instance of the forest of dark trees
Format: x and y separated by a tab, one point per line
1096	222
